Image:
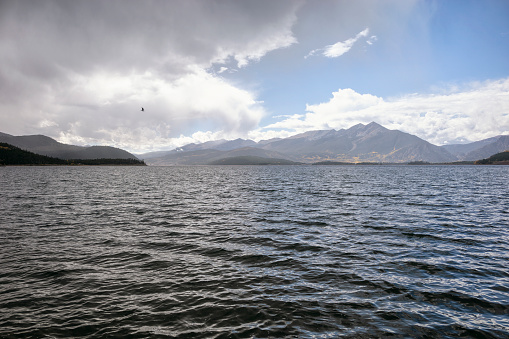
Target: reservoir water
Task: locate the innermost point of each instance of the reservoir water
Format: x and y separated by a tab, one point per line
268	251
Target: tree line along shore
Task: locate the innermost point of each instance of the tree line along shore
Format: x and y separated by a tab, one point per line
14	156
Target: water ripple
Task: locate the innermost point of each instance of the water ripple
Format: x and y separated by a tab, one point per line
221	252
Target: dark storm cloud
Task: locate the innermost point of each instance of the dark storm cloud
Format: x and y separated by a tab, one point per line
42	37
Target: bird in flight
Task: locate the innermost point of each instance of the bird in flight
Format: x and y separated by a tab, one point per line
142	109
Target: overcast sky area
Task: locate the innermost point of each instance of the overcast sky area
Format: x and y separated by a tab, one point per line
80	71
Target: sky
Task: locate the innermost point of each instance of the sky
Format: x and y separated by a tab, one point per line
80	71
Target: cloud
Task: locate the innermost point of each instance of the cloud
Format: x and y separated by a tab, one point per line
106	109
472	112
340	48
81	70
372	40
163	35
222	70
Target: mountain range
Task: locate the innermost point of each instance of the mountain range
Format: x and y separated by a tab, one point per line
47	146
360	143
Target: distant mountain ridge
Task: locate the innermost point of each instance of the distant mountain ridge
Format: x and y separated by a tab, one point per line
359	143
479	149
209	156
47	146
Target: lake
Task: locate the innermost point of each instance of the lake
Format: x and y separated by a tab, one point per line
254	251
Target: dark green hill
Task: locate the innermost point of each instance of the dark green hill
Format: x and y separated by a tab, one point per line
501	158
252	160
327	163
43	145
12	155
209	156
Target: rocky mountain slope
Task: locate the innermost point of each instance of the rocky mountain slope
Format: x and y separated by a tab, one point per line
479	149
360	143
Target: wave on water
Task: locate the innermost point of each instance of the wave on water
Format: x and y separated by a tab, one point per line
261	251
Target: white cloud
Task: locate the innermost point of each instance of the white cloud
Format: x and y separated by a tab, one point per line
81	71
472	112
222	70
342	47
372	40
256	49
262	134
105	108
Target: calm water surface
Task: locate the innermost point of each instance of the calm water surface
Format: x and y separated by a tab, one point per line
297	251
